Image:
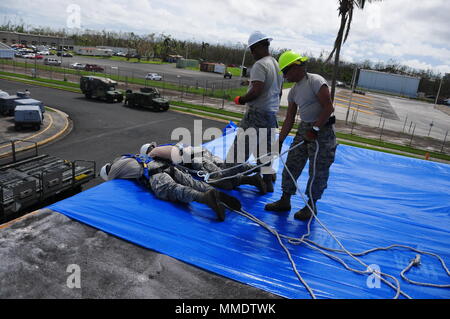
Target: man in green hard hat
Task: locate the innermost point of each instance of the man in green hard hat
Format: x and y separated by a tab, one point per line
311	97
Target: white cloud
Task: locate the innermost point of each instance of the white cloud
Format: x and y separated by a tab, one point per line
401	29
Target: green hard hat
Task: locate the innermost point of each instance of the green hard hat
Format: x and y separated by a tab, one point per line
289	57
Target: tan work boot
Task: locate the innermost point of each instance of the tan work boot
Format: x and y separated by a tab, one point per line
281	205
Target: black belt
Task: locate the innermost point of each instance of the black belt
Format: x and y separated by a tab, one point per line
331	121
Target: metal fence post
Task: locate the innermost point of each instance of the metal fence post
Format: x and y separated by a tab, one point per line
443	144
382	129
412	135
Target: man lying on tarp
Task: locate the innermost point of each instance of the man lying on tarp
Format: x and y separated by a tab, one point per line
168	182
199	158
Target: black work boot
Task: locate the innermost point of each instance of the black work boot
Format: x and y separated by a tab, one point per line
268	180
212	200
281	205
230	201
305	213
224	184
254	180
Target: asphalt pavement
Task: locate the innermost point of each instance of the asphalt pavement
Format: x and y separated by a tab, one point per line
169	72
102	131
112	268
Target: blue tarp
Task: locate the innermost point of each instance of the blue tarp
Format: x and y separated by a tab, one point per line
373	200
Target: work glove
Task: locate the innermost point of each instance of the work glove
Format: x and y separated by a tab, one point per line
310	136
237	100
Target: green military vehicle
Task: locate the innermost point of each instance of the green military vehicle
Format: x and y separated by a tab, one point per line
100	88
149	98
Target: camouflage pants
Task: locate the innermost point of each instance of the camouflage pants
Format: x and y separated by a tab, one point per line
264	125
208	162
177	186
298	157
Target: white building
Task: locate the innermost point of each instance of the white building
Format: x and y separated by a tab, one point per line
389	82
93	51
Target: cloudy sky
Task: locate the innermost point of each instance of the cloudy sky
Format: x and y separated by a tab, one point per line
411	32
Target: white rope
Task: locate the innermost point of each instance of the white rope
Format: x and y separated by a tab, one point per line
207	175
311	244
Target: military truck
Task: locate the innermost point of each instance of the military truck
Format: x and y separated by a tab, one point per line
100	88
7	103
149	98
29	180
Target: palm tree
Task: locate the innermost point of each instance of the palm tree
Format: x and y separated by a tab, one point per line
346	13
205	45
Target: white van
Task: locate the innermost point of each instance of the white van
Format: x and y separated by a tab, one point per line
52	61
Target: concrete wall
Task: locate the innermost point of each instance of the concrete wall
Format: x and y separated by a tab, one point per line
389	82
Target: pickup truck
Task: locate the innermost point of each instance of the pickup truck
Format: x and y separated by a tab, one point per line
93	68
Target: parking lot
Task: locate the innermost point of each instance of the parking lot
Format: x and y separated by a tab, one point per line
168	71
393	113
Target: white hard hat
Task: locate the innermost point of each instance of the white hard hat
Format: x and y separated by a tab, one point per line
104	171
144	148
256	37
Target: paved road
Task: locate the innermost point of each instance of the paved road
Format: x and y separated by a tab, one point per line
169	71
104	131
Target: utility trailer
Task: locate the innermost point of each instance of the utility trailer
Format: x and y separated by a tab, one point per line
34	180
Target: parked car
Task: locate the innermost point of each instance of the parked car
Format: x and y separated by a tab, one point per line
153	77
93	68
77	66
3	94
44	52
227	75
29	56
52	61
64	54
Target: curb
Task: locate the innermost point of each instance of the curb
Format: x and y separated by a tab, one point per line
48	139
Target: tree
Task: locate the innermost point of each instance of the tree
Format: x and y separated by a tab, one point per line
345	9
204	47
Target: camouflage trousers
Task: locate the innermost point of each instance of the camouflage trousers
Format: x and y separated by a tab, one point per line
245	144
210	163
177	186
298	157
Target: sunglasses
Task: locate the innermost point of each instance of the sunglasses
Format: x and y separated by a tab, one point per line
289	67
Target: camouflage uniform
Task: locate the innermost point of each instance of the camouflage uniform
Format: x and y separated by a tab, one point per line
297	158
208	162
174	185
257	120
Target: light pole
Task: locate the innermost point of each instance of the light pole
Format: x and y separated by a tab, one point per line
351	93
439	91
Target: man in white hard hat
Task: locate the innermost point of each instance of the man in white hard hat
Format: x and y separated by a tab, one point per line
263	102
